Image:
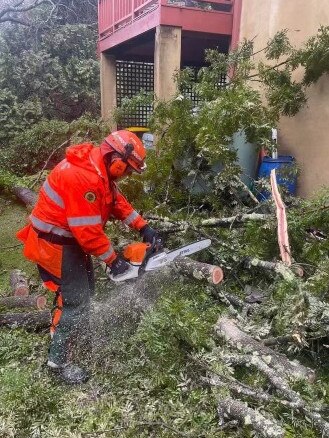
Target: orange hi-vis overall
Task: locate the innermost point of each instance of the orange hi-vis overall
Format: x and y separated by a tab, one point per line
67	223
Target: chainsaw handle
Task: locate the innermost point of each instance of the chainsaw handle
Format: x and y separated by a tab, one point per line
152	248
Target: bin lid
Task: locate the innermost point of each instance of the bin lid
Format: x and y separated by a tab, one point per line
137	129
280	159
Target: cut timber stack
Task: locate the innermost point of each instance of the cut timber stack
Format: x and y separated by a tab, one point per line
31	320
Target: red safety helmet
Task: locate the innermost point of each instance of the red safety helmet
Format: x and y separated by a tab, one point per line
129	150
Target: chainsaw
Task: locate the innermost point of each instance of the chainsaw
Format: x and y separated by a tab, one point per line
143	257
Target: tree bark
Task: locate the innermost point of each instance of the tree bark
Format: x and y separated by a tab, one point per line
238	219
237	410
200	271
212	222
29	197
19	283
28	320
278	267
228	329
238	389
34	301
282	340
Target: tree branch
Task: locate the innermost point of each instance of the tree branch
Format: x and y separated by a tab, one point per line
6	13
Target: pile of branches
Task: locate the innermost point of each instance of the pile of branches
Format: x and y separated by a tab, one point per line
275	309
261	329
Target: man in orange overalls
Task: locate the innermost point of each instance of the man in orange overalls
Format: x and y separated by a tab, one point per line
67	227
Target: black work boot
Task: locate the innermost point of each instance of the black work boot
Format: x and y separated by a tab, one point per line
69	373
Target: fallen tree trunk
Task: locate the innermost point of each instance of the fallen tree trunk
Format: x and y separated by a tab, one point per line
29	197
28	320
229	409
19	283
200	271
34	301
228	329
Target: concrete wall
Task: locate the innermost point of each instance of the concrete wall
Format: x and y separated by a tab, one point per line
306	136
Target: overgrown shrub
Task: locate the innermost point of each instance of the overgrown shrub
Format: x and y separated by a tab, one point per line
30	150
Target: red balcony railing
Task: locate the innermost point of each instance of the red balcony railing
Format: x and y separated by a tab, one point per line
116	14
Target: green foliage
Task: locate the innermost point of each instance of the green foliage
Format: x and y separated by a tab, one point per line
186	319
57	78
278	46
7	179
314	59
16	116
30	150
194	143
50	68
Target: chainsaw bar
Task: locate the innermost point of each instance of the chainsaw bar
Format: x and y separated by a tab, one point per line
163	258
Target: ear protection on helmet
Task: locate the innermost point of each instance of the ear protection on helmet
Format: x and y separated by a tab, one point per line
117	167
119	163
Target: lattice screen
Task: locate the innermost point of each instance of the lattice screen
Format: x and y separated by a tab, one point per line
188	91
132	77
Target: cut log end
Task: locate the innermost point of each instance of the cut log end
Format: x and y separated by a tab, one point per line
41	302
200	271
297	270
31	301
217	275
19	283
21	291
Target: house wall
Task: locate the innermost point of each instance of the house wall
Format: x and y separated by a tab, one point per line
305	136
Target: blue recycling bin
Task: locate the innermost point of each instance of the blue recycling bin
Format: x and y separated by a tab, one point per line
286	173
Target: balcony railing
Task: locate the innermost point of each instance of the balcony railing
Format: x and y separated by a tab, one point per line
116	14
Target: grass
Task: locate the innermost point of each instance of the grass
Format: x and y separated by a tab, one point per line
12	218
